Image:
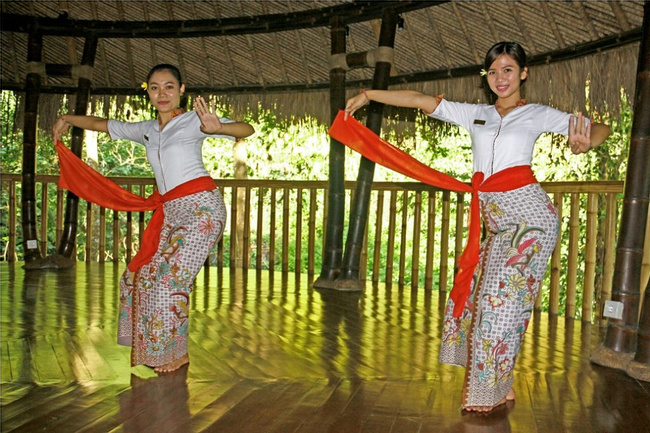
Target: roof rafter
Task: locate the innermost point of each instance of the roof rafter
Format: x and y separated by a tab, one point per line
358	11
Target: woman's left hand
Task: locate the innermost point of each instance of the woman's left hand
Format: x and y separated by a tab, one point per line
210	123
579	134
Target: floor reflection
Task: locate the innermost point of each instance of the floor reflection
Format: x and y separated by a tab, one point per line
342	329
155	403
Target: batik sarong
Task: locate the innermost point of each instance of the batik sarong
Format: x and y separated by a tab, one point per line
522	228
155	300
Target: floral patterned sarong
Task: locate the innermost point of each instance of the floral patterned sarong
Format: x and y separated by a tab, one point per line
522	227
155	301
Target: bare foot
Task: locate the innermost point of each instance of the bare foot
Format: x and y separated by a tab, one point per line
173	366
483	409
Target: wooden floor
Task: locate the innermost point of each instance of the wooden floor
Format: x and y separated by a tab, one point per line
271	354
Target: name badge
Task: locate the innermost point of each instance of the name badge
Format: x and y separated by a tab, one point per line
479	122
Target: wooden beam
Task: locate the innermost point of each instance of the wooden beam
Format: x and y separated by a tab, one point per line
353	12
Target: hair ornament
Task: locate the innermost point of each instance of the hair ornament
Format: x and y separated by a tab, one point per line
144	85
483	72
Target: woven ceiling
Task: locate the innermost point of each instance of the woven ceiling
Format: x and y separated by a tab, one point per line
277	47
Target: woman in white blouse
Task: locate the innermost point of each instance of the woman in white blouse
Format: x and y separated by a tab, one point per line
155	291
485	326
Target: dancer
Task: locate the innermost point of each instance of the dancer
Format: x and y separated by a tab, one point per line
155	289
485	323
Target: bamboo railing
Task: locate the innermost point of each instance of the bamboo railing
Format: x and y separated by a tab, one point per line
414	235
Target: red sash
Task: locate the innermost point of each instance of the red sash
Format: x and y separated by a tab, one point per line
80	179
361	139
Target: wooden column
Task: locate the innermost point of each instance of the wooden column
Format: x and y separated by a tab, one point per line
621	336
349	279
333	253
28	194
640	366
66	246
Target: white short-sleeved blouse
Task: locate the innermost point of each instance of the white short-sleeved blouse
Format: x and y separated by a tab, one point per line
175	154
502	142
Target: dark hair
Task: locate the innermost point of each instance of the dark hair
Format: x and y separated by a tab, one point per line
512	49
166	67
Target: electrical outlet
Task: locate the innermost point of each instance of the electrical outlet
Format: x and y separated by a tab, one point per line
613	309
32	244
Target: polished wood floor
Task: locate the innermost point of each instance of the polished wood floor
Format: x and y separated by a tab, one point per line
271	354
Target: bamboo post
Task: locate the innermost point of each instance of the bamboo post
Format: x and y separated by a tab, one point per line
259	240
590	258
234	215
349	278
608	256
285	230
28	195
403	233
333	246
417	221
431	230
44	217
376	257
390	248
620	341
298	241
554	294
572	272
444	241
11	254
67	244
311	246
272	230
639	368
246	238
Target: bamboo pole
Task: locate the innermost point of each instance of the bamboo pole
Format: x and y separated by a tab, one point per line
590	258
333	246
11	254
402	235
390	250
621	335
608	256
285	229
28	196
415	255
378	232
311	245
431	229
444	241
259	240
67	243
572	272
554	291
359	214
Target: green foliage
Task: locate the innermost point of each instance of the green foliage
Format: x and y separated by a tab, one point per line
298	149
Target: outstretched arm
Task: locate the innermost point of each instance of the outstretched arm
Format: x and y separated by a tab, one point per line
210	123
398	98
583	139
84	122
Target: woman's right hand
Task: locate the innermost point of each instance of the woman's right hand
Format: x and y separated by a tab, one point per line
60	127
355	103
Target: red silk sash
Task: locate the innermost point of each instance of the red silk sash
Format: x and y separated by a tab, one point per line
80	179
361	139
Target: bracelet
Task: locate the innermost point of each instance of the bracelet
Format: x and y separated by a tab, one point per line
363	92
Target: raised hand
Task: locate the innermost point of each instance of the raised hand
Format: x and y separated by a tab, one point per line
579	134
210	123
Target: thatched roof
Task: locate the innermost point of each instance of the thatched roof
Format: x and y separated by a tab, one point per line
278	52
